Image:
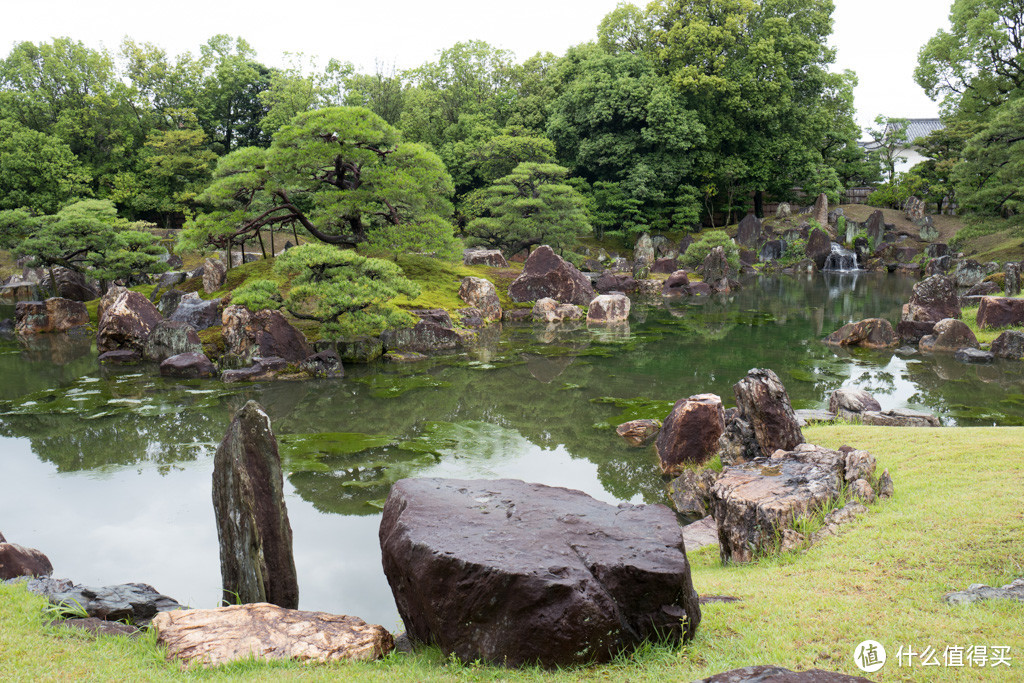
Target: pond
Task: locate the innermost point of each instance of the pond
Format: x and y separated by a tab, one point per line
109	471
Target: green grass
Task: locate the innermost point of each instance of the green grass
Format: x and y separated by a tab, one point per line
985	335
439	282
957	518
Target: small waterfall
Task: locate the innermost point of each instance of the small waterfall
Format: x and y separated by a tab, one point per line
841	260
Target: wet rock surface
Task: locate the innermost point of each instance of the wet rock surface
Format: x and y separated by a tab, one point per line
689	435
171	338
1009	344
481	294
17	560
424	337
608	309
546	274
189	365
871	333
133	603
126	321
214	275
932	300
52	315
638	433
253	530
262	334
268	632
199	313
515	573
763	402
948	336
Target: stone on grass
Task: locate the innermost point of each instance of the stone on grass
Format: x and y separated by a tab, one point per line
755	502
765	673
513	573
252	521
132	603
738	442
806	416
17	560
690	492
885	485
53	315
638	432
948	336
98	627
764	403
871	333
689	435
1000	311
481	294
267	632
214	275
484	257
1009	344
977	592
189	365
546	274
862	491
698	534
608	308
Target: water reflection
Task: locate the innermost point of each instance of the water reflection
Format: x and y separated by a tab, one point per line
529	402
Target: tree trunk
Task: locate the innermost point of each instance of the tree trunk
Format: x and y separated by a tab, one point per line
272	254
259	234
759	203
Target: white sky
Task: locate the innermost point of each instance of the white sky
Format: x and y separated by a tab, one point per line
878	39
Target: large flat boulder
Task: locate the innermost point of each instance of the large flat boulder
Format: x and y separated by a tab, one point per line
898	418
546	274
755	503
1000	311
689	435
56	314
262	334
484	257
848	401
267	632
776	674
425	336
514	573
188	365
126	321
871	333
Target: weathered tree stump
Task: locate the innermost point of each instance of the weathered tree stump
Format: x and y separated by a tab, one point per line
256	561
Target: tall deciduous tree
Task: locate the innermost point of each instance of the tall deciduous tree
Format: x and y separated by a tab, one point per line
990	180
530	206
37	171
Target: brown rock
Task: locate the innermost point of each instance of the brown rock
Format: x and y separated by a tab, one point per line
668	264
690	492
481	294
911	332
934	299
820	211
546	274
608	308
70	284
999	311
755	502
677	284
262	334
1009	344
53	315
715	267
515	573
871	333
615	282
267	632
819	246
267	368
689	435
252	521
16	560
862	491
885	486
98	627
188	365
214	275
764	403
948	336
126	322
638	432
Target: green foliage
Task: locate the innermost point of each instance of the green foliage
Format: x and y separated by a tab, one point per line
990	180
37	171
698	251
979	62
328	284
341	173
88	236
893	194
530	206
889	139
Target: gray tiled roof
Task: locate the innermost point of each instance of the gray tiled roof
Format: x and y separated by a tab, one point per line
918	128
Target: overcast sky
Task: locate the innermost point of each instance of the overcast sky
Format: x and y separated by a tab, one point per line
878	39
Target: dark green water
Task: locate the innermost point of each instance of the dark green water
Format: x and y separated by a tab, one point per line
108	472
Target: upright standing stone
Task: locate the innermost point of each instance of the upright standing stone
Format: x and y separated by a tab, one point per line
1012	279
643	256
546	274
689	435
876	228
764	403
749	231
820	212
214	275
256	561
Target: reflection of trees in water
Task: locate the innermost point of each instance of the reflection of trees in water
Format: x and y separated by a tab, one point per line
972	395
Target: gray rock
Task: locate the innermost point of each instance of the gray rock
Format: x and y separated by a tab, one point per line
749	232
484	257
1011	279
133	603
481	294
690	492
848	400
738	443
424	337
550	311
252	521
359	349
171	338
885	485
266	368
969	355
324	364
899	418
170	299
214	275
199	313
1009	344
977	592
764	403
698	534
643	256
777	674
515	573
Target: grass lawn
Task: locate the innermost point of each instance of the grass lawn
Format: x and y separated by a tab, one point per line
957	518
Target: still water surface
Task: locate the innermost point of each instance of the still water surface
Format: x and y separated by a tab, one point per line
108	471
